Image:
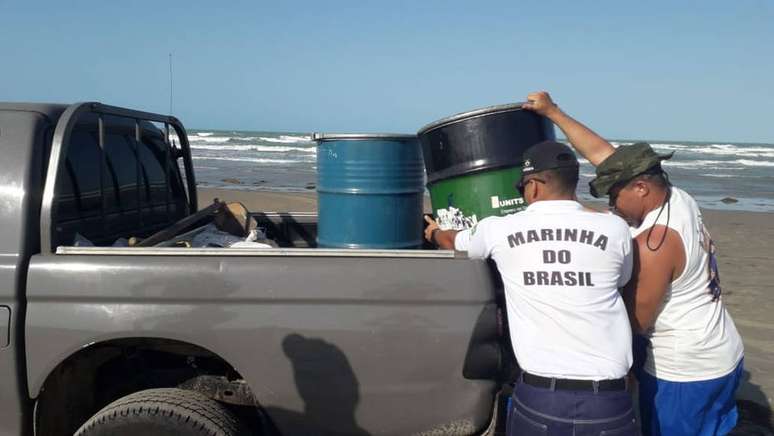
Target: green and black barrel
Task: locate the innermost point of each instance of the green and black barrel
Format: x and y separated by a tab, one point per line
474	159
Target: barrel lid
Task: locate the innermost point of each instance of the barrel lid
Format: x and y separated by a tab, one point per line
361	136
470	114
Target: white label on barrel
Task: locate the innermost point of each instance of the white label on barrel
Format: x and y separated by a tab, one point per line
496	203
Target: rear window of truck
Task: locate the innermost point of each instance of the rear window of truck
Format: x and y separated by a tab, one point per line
123	193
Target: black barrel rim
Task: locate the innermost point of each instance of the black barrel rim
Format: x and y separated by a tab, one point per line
508	107
463	170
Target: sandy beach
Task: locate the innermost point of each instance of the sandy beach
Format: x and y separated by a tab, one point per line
746	268
747	274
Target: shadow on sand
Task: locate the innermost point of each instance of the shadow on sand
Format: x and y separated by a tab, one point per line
755	416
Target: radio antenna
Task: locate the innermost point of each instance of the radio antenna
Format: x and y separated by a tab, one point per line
170	83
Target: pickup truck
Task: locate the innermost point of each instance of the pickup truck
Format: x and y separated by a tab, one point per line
292	340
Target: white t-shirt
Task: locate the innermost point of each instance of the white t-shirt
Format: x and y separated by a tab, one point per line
561	266
694	337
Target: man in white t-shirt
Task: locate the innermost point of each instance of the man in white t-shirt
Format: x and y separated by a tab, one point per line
562	266
692	352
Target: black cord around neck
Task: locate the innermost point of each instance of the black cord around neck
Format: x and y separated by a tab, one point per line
669	210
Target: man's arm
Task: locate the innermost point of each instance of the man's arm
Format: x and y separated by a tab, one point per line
442	238
654	271
592	146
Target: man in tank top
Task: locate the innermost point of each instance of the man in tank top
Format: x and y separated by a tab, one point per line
692	353
562	266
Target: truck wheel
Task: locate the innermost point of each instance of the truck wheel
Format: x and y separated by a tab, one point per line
163	412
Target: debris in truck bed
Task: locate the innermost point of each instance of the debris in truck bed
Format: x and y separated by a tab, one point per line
210	236
218	225
234	218
183	224
82	241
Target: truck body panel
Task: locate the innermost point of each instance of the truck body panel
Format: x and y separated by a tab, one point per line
24	132
325	343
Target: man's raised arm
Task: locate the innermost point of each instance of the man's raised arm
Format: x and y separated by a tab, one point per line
590	145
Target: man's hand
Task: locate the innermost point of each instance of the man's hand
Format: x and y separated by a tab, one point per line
431	225
592	146
444	239
541	103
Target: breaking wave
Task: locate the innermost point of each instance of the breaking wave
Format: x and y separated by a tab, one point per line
252	147
286	139
247	159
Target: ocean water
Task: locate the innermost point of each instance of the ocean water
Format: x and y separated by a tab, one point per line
285	161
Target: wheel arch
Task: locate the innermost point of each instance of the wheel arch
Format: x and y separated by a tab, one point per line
89	378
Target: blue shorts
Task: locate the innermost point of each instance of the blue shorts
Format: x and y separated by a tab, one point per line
697	408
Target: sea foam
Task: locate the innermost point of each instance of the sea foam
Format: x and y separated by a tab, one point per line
210	139
251	147
286	139
246	159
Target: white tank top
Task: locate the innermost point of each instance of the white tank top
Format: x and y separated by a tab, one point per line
694	337
562	267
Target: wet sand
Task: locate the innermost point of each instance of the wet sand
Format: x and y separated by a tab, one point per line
746	268
747	278
261	201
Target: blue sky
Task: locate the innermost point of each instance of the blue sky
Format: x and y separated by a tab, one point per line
689	70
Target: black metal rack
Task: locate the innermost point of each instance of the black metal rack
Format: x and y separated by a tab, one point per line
61	140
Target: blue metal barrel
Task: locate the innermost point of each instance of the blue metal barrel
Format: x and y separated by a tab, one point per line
370	191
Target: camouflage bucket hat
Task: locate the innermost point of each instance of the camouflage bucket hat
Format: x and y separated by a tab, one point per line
626	163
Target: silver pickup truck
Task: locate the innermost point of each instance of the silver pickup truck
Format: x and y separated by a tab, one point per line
294	340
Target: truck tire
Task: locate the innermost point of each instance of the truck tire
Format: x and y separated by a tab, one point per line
163	412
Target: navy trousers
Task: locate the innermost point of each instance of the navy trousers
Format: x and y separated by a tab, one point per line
541	411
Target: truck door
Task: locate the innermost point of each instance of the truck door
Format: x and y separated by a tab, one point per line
22	135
